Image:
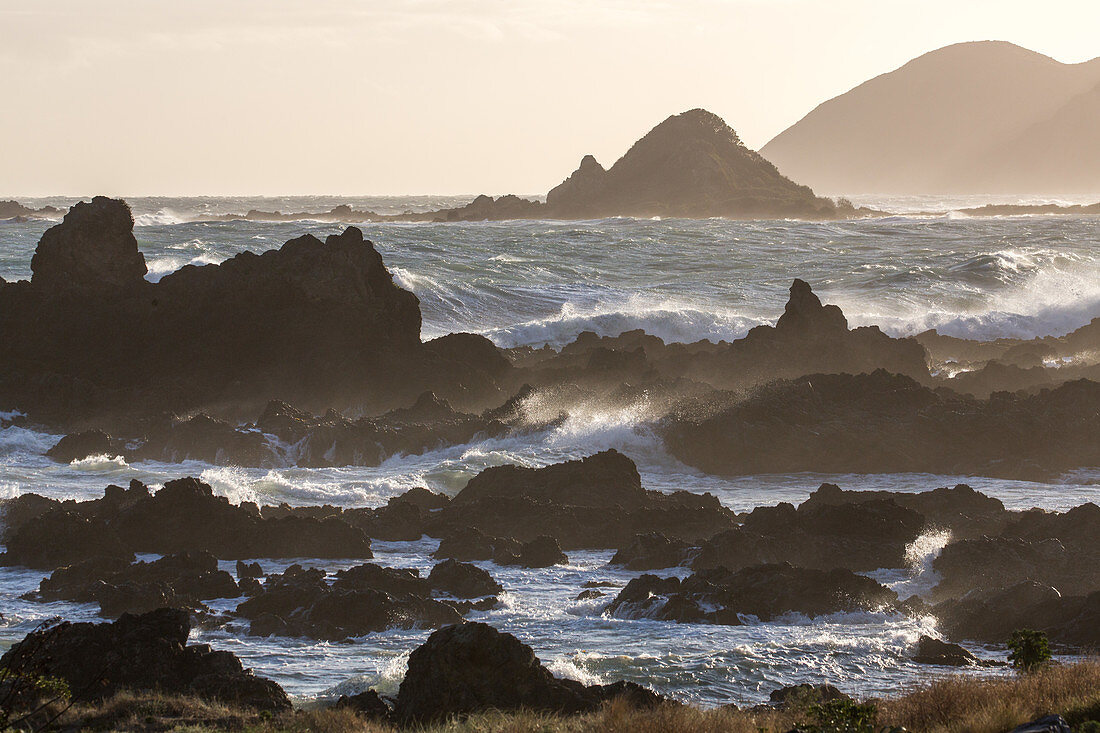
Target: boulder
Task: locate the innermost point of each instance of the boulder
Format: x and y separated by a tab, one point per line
463	580
472	668
143	653
79	446
934	651
652	551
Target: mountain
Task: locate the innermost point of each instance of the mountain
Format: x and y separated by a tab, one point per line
983	117
692	165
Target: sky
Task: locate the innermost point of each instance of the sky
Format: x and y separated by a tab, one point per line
363	97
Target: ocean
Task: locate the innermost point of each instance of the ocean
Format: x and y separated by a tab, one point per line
537	282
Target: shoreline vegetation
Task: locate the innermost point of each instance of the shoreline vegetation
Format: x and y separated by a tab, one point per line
951	703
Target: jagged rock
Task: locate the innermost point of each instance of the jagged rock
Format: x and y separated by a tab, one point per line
182	516
146	652
473	667
964	511
470	543
605	479
362	599
316	323
92	251
35	543
858	537
651	552
594	502
541	552
804	315
934	651
182	580
463	580
79	446
250	570
367	704
996	562
887	423
719	596
992	615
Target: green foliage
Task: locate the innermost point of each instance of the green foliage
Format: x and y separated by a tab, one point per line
1030	650
840	716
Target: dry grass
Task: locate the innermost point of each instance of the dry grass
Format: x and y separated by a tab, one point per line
957	704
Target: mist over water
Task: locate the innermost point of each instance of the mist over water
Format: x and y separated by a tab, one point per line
534	283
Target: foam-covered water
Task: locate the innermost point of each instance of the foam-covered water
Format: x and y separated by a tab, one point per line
544	282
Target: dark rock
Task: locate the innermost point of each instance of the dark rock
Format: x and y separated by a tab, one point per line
651	552
35	543
470	668
249	570
992	615
590	503
470	543
886	423
367	703
316	323
934	651
859	537
363	599
719	596
146	652
182	580
79	446
590	594
462	580
541	552
92	251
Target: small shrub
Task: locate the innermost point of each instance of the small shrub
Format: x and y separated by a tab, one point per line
1030	650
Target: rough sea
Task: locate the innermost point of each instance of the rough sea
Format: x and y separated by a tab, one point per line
535	283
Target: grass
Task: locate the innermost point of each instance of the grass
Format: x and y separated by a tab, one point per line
955	704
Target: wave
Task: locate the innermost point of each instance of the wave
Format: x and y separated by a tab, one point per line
162	266
161	217
669	320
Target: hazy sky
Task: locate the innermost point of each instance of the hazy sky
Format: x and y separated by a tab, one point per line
131	97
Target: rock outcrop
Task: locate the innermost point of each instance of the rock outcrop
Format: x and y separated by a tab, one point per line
320	324
182	516
472	668
887	423
590	503
146	652
720	596
363	599
182	580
